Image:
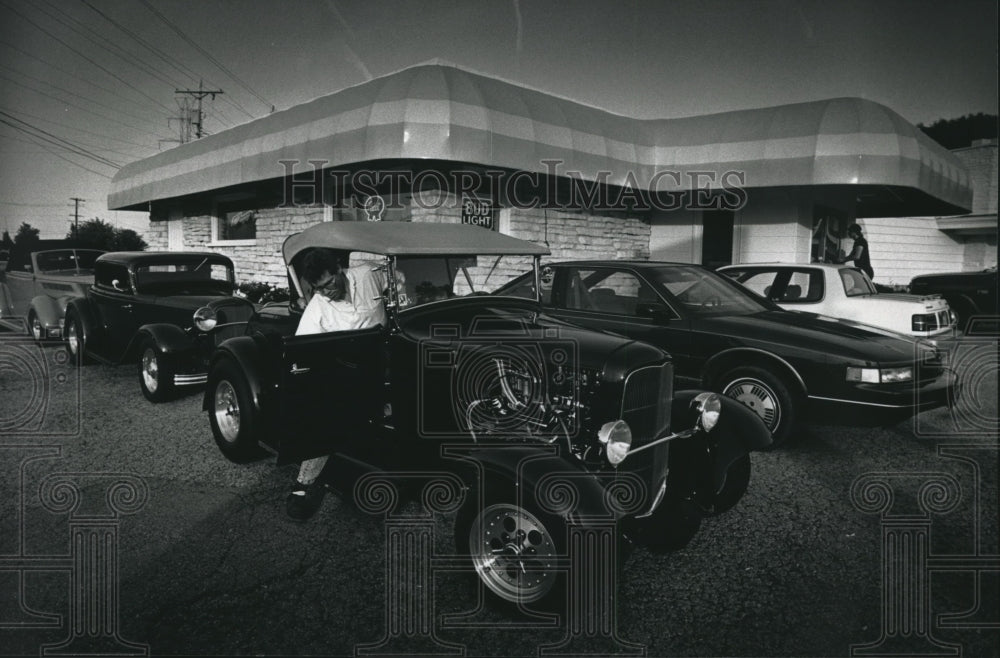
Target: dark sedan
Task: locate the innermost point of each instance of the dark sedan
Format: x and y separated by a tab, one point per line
166	310
969	294
779	363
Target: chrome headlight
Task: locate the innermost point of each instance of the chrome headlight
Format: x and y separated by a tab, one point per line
617	436
205	318
709	408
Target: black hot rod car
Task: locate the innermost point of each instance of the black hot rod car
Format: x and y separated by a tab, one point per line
166	310
526	396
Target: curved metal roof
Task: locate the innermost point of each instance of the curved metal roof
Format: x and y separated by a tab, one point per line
442	112
409	239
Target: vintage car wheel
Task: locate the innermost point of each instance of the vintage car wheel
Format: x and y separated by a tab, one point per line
76	344
514	549
156	377
232	415
35	325
737	481
766	395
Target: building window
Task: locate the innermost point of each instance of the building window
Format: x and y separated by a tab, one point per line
234	224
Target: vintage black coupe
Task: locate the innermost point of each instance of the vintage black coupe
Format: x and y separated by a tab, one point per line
485	387
166	310
782	364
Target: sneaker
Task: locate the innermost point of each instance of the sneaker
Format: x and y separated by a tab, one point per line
304	500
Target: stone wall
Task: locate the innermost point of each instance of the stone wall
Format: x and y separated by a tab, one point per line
568	235
156	236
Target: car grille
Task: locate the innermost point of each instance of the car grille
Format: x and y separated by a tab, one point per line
646	402
234	313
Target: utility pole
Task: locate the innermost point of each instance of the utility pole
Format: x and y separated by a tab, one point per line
199	94
76	215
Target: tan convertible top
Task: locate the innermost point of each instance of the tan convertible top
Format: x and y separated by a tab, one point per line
409	239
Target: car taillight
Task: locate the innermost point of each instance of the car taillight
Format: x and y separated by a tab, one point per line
925	322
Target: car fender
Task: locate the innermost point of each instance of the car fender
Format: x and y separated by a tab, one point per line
90	323
168	338
246	353
534	471
738	432
49	310
716	365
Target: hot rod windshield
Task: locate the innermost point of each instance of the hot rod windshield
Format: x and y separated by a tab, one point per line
66	260
184	277
425	279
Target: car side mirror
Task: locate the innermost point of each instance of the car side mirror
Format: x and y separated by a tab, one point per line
654	310
117	285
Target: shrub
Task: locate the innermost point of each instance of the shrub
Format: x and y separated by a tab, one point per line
260	292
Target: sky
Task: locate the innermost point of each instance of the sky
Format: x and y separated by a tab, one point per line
87	86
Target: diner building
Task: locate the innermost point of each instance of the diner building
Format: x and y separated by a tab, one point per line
439	143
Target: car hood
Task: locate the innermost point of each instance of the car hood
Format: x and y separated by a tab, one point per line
813	332
509	322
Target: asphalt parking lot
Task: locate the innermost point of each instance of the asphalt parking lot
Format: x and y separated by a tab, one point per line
851	541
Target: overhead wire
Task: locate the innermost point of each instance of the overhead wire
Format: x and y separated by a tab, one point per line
85	57
205	53
165	57
56	140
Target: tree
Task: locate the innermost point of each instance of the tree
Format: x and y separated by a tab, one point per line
961	132
98	234
6	242
26	234
128	240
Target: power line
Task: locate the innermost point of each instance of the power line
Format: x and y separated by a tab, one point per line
111	73
204	52
104	43
58	141
179	66
66	91
81	130
199	94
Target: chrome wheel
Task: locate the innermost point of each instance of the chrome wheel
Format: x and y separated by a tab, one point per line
36	326
150	370
513	553
227	411
72	339
757	395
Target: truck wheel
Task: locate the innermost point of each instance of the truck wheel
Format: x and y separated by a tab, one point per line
156	376
234	420
767	395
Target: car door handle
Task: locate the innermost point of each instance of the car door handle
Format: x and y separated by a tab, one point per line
127	307
296	370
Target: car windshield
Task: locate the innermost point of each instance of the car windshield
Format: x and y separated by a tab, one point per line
701	292
189	277
426	279
856	283
61	260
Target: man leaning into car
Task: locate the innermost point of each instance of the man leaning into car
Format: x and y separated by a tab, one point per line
342	299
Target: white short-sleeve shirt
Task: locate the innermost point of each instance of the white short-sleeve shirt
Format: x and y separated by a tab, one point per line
360	309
